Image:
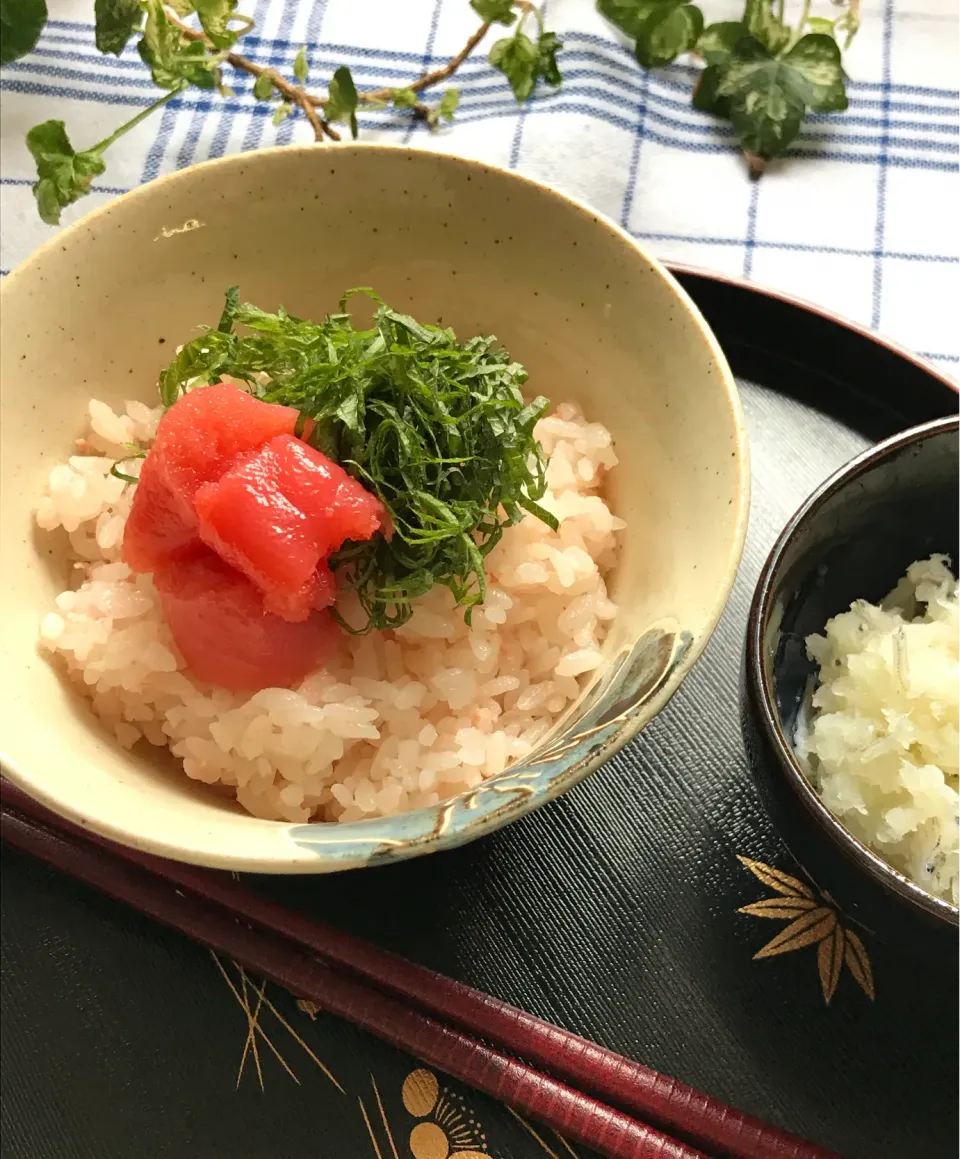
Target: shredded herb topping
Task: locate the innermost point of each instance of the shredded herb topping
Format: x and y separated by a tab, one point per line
438	429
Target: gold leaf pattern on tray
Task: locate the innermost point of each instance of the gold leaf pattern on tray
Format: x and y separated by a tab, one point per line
830	961
776	878
813	919
806	930
779	907
858	963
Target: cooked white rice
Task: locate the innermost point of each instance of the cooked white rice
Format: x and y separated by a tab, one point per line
883	745
408	718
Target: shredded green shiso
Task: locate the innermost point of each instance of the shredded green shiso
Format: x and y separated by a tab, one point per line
438	429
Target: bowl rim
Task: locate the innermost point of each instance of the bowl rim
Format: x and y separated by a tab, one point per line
375	834
760	682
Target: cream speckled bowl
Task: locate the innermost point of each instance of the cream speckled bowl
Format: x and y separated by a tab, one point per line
99	310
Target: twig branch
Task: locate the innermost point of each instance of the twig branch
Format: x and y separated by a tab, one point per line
296	96
378	96
310	104
320	127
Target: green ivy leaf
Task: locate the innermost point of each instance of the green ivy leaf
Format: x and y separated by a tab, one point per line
718	40
301	67
214	19
342	99
171	60
760	22
494	11
21	22
768	98
816	58
547	48
705	95
263	87
627	15
404	99
820	24
669	30
517	58
116	22
63	175
281	113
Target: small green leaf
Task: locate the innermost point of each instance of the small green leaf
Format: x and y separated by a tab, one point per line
63	175
718	40
281	113
445	109
671	29
816	58
301	68
761	23
116	22
448	104
263	87
547	48
404	99
494	11
705	96
48	201
342	99
820	24
230	306
627	15
21	22
518	59
214	19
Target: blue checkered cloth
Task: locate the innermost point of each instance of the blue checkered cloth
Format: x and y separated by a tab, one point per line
860	219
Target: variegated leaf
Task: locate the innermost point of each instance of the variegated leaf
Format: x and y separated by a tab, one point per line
858	963
776	879
779	907
807	929
830	961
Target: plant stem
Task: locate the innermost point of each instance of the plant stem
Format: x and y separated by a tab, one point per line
141	116
317	123
296	96
798	31
527	8
781	5
309	103
431	78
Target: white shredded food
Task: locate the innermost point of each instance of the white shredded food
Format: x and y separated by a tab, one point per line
882	747
405	718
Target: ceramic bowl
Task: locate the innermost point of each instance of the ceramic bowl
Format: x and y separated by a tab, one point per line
854	538
99	310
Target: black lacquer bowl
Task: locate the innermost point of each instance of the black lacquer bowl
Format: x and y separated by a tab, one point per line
853	538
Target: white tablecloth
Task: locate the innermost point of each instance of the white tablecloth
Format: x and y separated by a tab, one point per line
858	220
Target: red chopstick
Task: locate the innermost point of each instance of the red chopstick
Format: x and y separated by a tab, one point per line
672	1106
